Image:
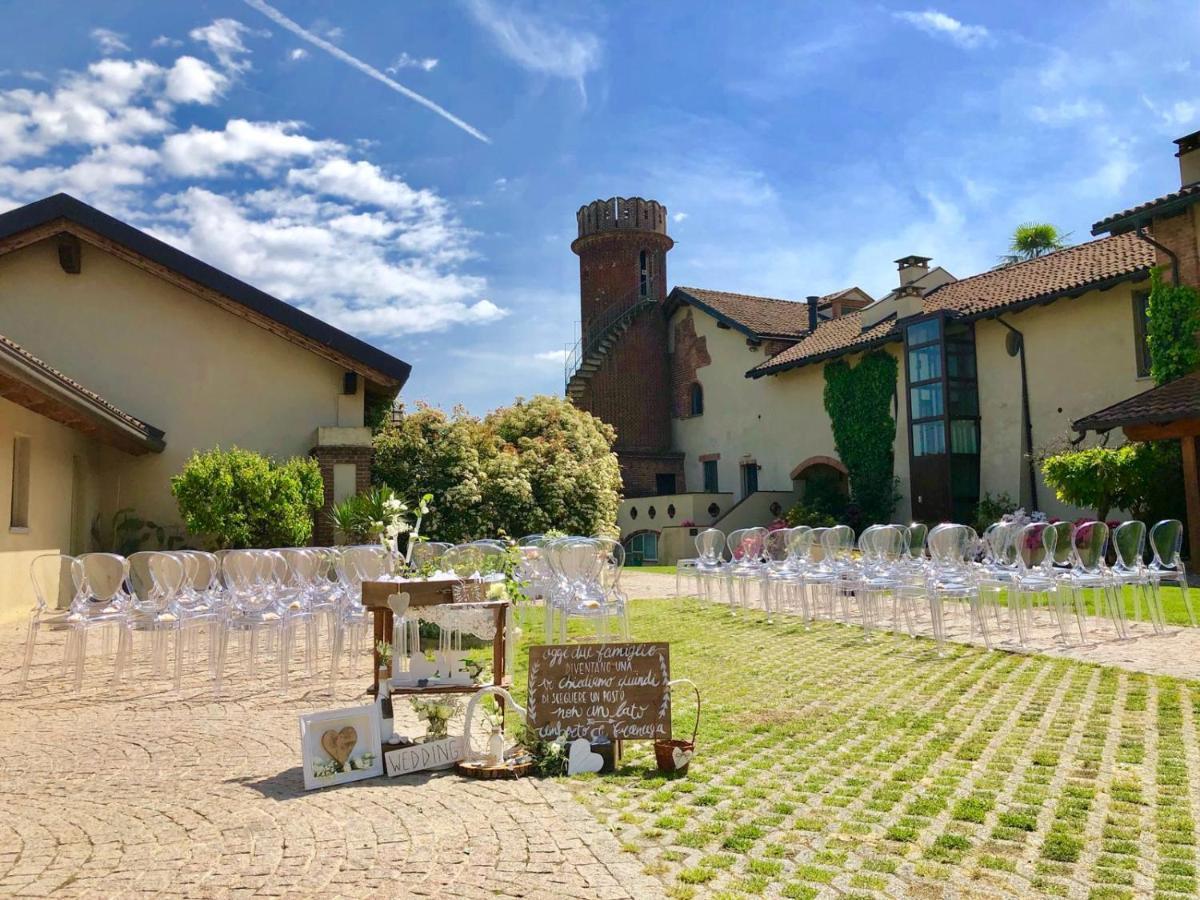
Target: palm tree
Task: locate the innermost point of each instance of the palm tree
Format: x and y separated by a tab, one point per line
1031	240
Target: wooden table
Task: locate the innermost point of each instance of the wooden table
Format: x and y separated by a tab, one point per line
426	593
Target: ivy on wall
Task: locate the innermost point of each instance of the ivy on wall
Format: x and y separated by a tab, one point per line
1172	320
858	401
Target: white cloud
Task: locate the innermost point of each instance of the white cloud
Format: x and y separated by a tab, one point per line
224	40
263	145
297	54
538	45
192	80
938	24
109	41
302	217
554	356
163	41
1066	112
679	217
1178	115
404	61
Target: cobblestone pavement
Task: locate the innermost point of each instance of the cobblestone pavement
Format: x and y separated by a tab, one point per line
143	792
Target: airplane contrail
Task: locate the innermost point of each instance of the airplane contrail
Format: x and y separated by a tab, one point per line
333	50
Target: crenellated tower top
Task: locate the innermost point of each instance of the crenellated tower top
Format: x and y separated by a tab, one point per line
621	214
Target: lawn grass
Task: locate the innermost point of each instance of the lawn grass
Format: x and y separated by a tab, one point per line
828	765
655	570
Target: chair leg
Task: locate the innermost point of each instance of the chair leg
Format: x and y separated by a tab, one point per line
180	641
30	638
1187	600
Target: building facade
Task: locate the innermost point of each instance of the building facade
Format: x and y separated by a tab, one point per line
120	356
993	370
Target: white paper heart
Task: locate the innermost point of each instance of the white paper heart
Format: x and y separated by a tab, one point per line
398	603
581	759
681	757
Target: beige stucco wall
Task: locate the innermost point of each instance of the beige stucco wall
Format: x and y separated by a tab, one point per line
780	420
52	526
1080	356
202	374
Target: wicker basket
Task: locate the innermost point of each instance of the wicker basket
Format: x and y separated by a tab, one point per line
665	751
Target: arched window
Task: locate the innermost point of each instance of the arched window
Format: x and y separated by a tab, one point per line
697	399
643	274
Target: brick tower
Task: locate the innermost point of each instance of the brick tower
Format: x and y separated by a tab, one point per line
620	370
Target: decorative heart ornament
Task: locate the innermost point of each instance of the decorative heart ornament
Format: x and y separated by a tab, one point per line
581	759
339	744
681	757
398	604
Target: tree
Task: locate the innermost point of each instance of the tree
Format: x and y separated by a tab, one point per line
239	498
1140	477
537	465
1031	240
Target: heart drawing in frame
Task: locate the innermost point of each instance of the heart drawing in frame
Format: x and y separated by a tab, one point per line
339	744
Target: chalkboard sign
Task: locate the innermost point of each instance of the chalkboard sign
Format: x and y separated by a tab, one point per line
600	690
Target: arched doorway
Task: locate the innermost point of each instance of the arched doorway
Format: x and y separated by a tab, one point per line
822	481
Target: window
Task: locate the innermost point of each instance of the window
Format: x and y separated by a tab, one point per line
1141	347
711	482
749	478
18	515
645	545
697	399
664	483
644	274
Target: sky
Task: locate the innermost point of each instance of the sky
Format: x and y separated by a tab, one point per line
410	171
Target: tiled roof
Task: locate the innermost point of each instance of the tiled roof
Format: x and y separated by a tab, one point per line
763	316
760	316
27	361
1170	402
1047	276
1073	270
837	336
1128	219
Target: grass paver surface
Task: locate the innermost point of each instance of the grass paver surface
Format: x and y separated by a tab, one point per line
829	766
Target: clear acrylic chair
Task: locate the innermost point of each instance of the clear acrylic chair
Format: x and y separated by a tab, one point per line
881	579
997	571
100	604
1035	580
55	588
579	564
1130	571
710	562
950	577
252	614
1166	540
747	558
1090	573
918	533
837	550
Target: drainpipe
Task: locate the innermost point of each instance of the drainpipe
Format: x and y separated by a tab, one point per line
1140	231
1033	493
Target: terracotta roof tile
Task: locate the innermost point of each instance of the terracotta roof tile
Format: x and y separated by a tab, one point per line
1186	195
14	349
1075	269
1170	402
764	316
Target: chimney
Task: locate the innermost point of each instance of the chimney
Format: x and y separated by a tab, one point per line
912	268
1189	158
812	301
909	301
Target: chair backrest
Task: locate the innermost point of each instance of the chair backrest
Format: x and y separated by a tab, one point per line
1090	543
816	549
1063	550
168	575
532	540
240	569
747	546
887	544
1129	542
951	544
1166	540
428	552
837	543
917	534
578	560
710	546
777	544
475	558
799	543
866	542
366	563
103	576
1034	546
55	580
614	562
303	565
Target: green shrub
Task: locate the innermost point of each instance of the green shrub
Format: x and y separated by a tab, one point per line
1172	320
238	498
992	509
1140	477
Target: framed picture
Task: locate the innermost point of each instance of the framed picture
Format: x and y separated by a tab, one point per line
340	745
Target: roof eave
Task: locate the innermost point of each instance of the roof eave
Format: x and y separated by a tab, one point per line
719	316
758	372
1143	217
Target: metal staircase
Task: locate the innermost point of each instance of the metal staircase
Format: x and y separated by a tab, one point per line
585	358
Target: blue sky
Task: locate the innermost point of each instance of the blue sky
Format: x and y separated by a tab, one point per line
800	147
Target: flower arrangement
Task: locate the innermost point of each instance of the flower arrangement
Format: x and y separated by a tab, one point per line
327	768
436	713
384	651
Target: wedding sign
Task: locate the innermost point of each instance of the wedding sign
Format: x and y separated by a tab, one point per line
439	754
600	690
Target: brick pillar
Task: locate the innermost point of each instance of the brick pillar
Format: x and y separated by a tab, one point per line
328	458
